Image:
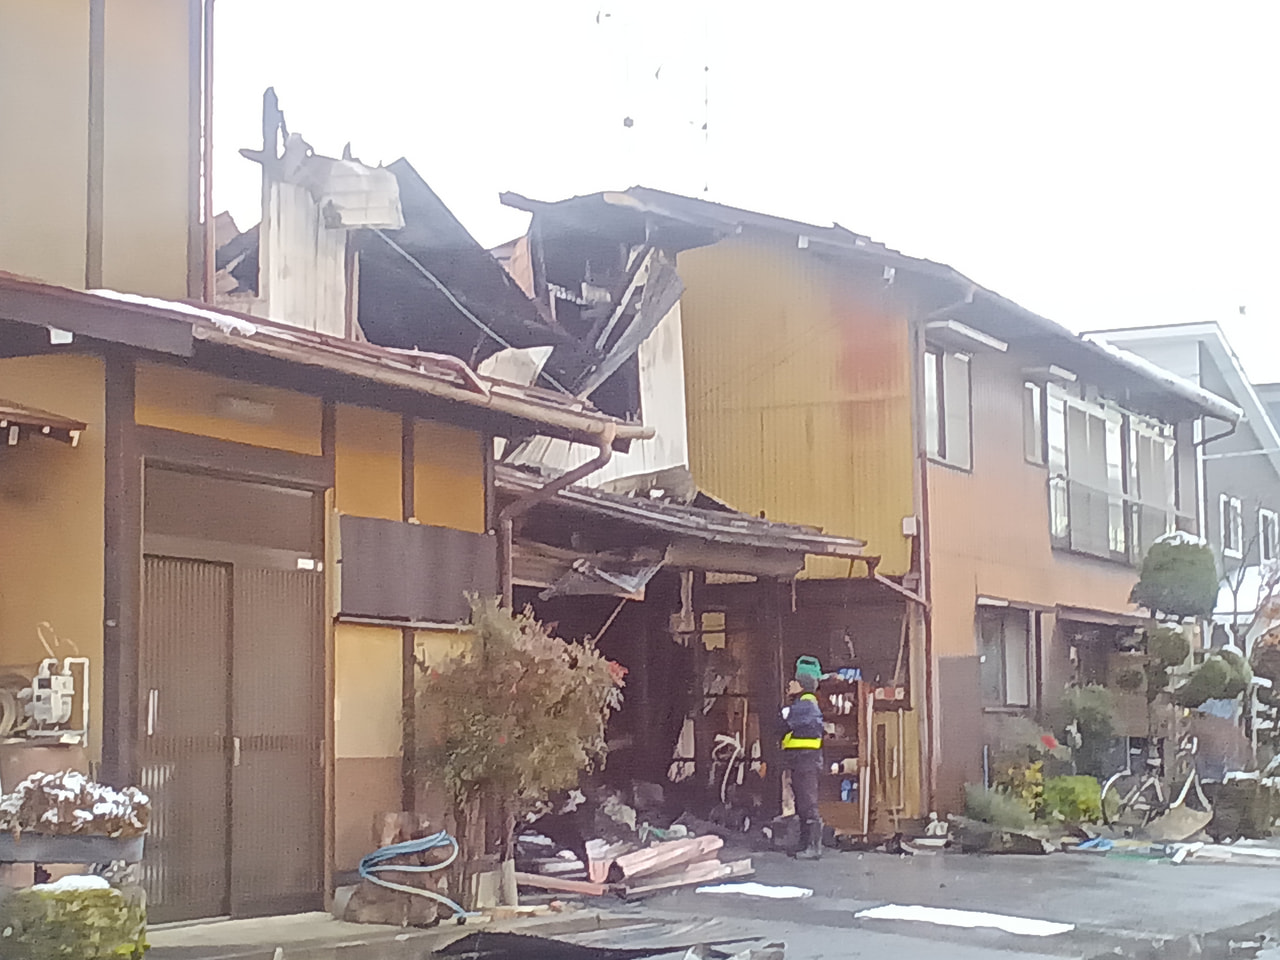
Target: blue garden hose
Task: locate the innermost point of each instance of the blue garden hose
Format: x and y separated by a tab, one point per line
377	862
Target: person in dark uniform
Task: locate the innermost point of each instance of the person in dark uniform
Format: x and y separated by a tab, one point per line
802	748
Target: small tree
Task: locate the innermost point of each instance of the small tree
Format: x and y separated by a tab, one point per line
522	714
1178	580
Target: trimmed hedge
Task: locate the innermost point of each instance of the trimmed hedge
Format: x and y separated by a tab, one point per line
79	924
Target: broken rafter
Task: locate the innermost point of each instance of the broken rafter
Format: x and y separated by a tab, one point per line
636	279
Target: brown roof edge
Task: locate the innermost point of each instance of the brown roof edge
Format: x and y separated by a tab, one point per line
565	420
26	300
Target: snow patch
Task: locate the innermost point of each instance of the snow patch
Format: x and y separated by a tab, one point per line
1218	406
75	883
759	890
1182	538
969	919
223	321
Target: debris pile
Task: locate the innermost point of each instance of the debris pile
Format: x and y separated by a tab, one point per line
69	803
611	847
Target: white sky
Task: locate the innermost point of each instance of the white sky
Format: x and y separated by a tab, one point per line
1101	163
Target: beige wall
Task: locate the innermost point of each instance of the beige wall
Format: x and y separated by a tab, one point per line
51	519
147	129
44	113
147	172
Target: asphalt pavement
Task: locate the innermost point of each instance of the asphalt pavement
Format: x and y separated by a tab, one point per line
1116	907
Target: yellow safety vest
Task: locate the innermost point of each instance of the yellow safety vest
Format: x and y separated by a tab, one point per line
790	742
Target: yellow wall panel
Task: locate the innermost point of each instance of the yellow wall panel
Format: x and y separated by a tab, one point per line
367	475
799	394
189	401
51	519
44	113
448	478
367	716
147	144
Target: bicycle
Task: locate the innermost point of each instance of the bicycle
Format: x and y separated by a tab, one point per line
1137	800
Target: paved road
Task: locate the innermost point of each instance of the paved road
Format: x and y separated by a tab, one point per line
1119	908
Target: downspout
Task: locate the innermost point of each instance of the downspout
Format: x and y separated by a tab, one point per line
507	516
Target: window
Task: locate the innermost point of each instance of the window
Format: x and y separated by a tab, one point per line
1231	517
948	419
1112	481
1268	535
1033	422
1004	656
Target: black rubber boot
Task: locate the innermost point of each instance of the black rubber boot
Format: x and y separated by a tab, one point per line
813	848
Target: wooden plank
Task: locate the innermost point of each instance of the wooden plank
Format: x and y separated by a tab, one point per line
561	885
664	856
696	873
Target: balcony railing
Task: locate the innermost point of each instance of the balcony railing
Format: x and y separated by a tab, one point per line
1099	523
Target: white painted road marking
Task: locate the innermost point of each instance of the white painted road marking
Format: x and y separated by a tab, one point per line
1022	926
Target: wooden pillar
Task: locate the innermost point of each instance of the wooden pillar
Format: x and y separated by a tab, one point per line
770	682
702	732
122	576
408	646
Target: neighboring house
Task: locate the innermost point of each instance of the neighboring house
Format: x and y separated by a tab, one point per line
256	528
276	524
1240	467
1006	475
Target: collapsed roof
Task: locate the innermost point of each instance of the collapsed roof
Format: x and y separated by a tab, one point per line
641	215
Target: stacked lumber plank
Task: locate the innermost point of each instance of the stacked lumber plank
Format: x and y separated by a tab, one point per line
647	870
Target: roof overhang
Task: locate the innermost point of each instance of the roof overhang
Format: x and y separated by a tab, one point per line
18	420
178	328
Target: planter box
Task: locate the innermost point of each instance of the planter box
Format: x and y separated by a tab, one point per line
45	848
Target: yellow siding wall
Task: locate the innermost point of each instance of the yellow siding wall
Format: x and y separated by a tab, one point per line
367	466
433	648
448	477
146	146
175	398
51	519
449	490
799	395
44	113
367	735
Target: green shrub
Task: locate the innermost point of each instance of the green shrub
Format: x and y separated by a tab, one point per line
1167	646
1179	579
1091	708
1129	679
1222	676
996	808
79	924
1074	799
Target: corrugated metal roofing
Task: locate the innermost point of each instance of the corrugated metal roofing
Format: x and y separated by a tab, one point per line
719	526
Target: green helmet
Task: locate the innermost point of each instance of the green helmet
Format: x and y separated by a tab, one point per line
809	666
